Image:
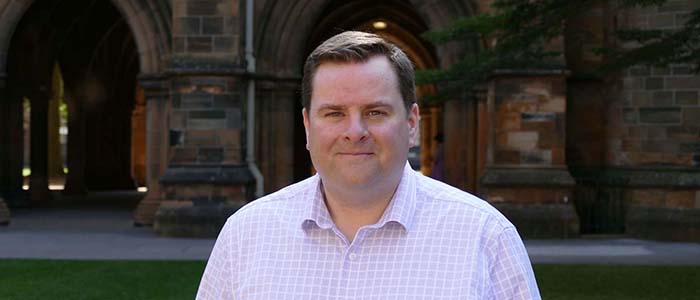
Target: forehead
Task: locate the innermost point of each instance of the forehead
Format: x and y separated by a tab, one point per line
374	77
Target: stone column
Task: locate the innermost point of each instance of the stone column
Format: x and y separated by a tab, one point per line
75	179
4	143
39	179
11	146
206	178
156	92
275	135
526	175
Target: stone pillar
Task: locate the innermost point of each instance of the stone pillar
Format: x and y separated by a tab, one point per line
275	134
11	146
206	178
75	179
4	132
460	147
156	92
39	179
526	175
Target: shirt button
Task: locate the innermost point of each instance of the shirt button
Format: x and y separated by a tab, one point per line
352	256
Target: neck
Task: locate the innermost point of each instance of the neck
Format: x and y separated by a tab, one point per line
352	209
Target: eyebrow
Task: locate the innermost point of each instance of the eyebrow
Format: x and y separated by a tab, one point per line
371	105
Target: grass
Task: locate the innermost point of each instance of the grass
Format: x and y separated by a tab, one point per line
60	279
574	282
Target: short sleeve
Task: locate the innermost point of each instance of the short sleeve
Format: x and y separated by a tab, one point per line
510	268
219	278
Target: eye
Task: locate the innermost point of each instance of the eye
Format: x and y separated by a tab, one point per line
376	113
333	114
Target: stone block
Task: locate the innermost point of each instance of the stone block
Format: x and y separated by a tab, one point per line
662	98
234	118
631	145
207	114
661	71
538	117
683	133
681	70
667	146
522	140
678	6
178	44
662	115
507	157
690	147
206	123
639	71
683	83
199	44
178	120
687	97
4	213
680	199
201	137
536	221
233	155
659	223
229	137
647	197
227	101
536	157
202	7
187	26
691	116
640	98
197	100
654	83
629	115
212	25
210	154
656	133
637	132
204	221
555	104
223	44
633	83
183	155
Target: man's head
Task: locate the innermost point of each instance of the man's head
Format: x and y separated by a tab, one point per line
359	125
356	46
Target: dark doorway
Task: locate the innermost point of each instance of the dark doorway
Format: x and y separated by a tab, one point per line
92	46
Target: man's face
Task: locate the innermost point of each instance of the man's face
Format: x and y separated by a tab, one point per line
357	129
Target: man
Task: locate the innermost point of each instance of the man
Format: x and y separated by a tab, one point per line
366	226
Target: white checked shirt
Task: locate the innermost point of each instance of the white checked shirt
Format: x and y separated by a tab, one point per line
433	242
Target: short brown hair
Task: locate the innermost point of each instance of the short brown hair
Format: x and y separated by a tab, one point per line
356	46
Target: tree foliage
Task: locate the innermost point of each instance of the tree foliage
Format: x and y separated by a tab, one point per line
518	34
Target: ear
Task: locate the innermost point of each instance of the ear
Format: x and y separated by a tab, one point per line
305	114
413	125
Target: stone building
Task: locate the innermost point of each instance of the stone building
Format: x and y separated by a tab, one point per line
198	100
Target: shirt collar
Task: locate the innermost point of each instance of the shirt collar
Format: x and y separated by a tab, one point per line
400	210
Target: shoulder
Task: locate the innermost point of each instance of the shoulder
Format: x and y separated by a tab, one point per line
453	201
279	203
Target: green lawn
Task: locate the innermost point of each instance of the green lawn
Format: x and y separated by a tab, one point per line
59	279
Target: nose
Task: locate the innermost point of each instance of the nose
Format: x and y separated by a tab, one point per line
356	130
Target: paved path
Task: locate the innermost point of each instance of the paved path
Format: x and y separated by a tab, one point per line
100	234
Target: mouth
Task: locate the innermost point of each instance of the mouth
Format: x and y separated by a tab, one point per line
355	153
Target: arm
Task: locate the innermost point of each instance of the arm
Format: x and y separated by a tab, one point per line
510	268
218	278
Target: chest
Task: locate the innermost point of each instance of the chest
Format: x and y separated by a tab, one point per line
377	265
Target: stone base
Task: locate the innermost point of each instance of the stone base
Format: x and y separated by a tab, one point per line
537	221
178	219
145	212
4	213
660	223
